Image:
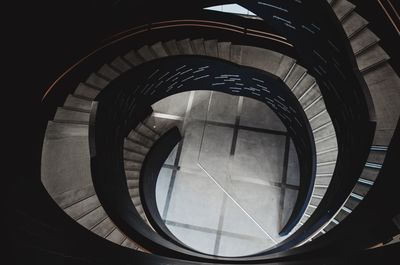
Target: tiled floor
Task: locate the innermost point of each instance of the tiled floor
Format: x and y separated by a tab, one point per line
230	185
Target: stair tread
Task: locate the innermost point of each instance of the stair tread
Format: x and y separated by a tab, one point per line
354	24
78	103
342	8
185	47
121	64
159	49
295	75
146	53
116	236
224	50
108	72
96	81
363	40
71	116
198	46
371	57
211	47
171	47
134	58
103	228
86	91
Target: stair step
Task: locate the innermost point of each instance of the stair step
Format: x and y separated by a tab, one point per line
310	210
320	119
363	40
140	210
71	116
133	183
86	91
361	189
185	47
77	103
236	54
342	8
305	83
83	207
147	132
97	81
71	197
147	53
331	2
376	157
295	75
352	203
316	108
128	155
224	50
129	244
134	58
121	64
310	96
323	131
370	58
320	191
354	24
329	226
135	147
116	236
132	175
135	199
341	215
146	142
370	173
108	72
139	138
328	156
260	58
315	201
211	47
326	169
130	165
171	47
285	65
93	218
323	179
327	144
104	228
198	46
159	50
134	192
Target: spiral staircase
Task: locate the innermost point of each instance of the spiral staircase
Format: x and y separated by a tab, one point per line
318	66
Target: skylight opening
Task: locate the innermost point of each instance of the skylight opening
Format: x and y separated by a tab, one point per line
233	9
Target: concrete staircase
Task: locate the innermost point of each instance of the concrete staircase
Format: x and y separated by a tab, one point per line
384	84
136	147
77	107
66	140
66	176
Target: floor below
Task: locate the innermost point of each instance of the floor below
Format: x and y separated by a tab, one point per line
230	185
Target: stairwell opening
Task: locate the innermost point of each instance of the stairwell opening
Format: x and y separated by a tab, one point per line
231	183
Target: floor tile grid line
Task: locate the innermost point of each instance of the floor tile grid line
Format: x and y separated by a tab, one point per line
284	179
177	157
269	184
210	230
220	224
222	124
231	156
